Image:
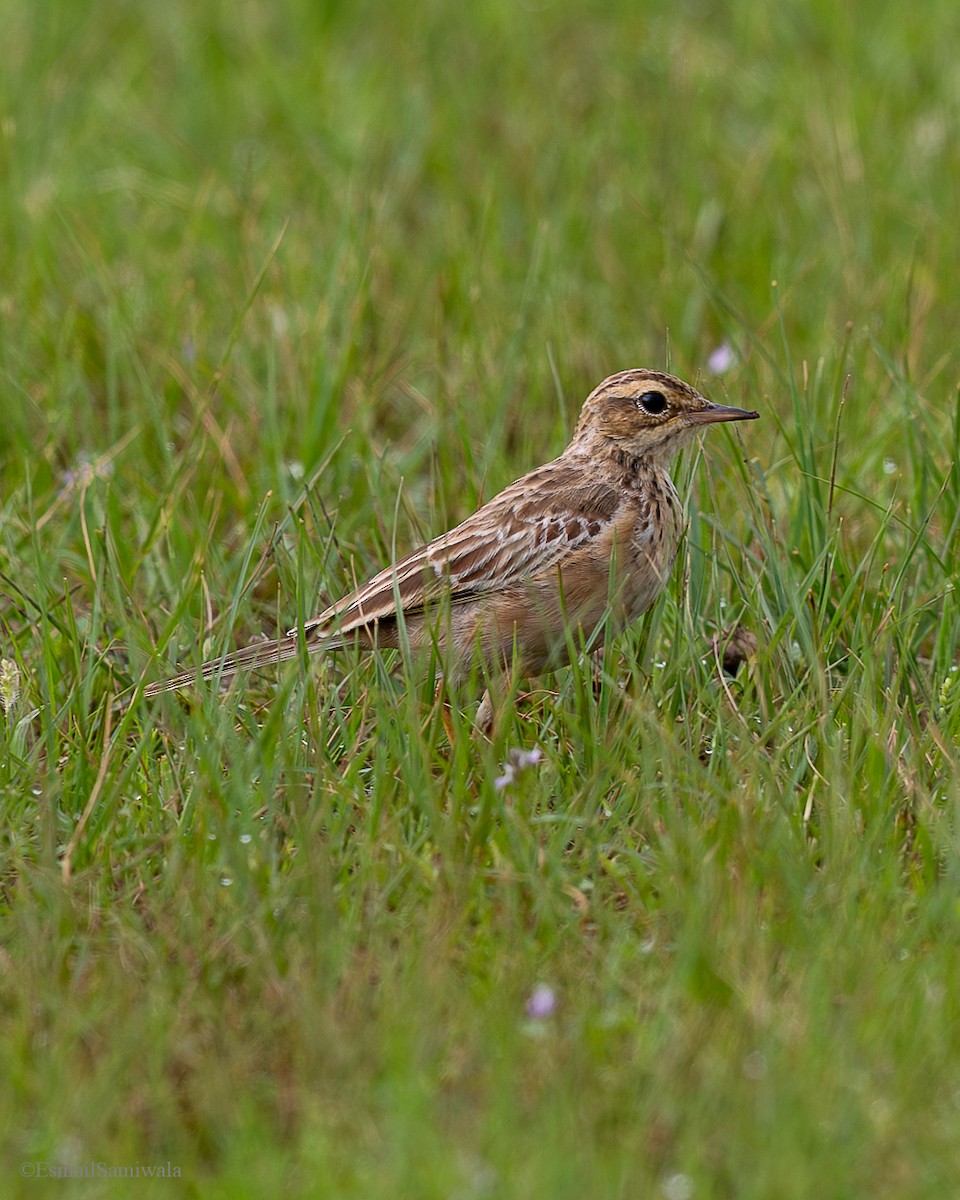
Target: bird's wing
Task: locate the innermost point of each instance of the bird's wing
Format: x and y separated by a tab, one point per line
524	531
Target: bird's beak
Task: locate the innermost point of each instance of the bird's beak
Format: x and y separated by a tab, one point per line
720	412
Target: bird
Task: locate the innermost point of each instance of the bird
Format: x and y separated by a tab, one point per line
568	554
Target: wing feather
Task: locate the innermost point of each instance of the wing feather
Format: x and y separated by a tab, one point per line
520	534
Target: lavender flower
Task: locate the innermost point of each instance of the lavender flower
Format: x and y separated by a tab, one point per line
542	1002
722	359
517	760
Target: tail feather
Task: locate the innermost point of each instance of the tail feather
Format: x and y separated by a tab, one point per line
260	654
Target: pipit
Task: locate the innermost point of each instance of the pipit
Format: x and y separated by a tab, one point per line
568	554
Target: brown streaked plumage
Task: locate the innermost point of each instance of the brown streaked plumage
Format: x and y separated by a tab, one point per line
585	542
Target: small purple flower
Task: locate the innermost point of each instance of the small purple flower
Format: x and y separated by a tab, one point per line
722	359
542	1002
517	760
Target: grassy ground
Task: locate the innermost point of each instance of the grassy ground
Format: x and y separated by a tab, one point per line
286	287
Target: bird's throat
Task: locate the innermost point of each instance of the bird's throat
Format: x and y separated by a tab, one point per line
631	464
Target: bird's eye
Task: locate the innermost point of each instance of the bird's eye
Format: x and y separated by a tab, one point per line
653	403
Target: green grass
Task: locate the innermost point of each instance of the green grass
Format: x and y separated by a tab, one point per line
287	288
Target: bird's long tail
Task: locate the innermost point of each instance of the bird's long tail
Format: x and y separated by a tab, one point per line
260	654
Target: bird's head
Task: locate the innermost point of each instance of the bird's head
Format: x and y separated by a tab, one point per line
648	414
